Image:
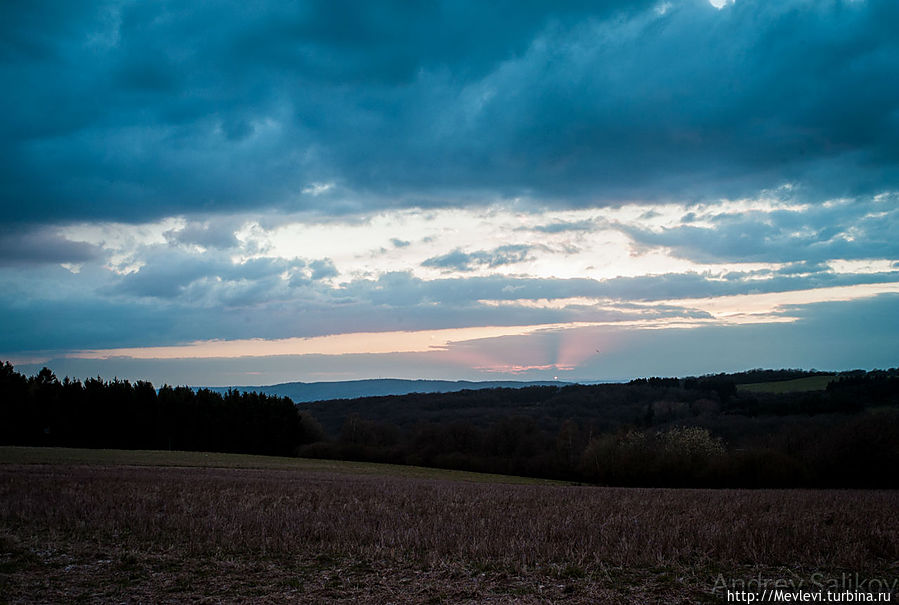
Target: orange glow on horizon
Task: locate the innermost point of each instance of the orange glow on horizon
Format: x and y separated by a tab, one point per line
572	348
359	343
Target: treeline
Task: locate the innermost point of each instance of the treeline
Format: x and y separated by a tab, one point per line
44	411
762	375
859	450
713	400
696	431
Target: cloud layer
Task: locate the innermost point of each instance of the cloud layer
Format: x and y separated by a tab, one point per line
181	281
607	184
139	111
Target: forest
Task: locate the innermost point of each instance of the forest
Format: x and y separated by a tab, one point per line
704	431
42	410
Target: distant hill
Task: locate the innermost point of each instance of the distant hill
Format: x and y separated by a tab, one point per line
301	392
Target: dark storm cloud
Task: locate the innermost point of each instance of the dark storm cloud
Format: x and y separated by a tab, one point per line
170	273
42	246
565	226
323	268
86	322
469	261
137	110
861	229
801	268
205	234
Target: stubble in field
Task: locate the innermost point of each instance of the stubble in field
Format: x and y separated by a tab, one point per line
100	533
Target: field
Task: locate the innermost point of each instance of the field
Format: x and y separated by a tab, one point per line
72	456
108	528
810	383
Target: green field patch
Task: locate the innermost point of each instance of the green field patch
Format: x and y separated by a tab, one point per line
810	383
104	457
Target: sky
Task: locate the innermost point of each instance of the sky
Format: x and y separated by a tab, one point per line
245	193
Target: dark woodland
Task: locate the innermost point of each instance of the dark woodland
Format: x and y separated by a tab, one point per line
706	431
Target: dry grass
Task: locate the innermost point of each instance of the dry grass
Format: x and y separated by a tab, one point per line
79	456
114	534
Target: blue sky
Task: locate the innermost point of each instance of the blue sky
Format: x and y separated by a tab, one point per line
246	193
